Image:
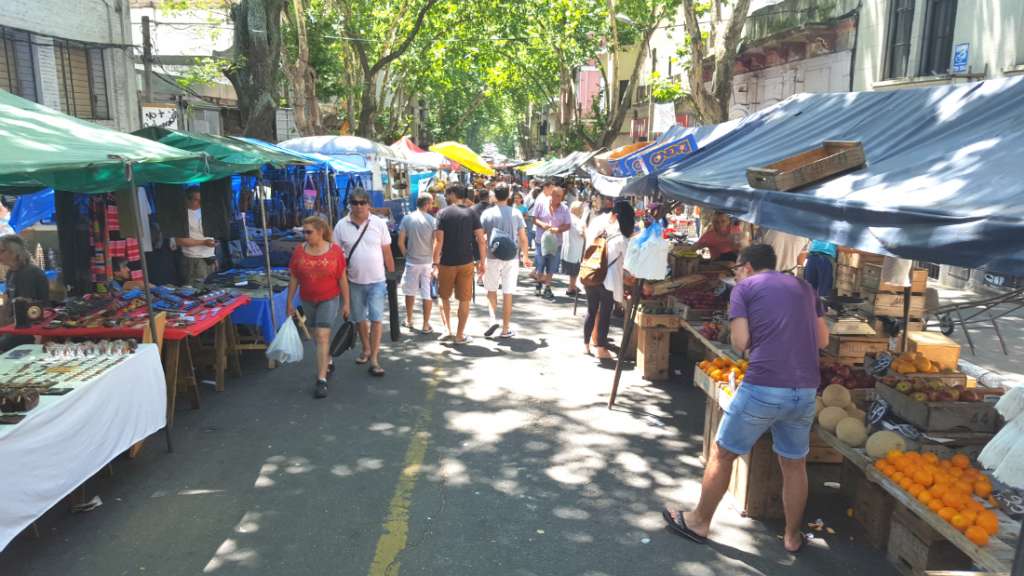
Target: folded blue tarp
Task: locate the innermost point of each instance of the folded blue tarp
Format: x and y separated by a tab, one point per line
944	181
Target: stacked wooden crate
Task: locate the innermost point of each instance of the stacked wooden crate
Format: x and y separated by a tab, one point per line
848	270
887	299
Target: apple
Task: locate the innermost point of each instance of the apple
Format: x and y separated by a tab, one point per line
919	385
837	380
904	387
920	396
843	371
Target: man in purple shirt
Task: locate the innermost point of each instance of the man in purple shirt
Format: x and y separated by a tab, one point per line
551	218
777	318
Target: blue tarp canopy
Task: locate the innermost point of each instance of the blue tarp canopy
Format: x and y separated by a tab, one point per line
320	160
944	181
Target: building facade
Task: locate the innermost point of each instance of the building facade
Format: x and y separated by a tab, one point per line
75	57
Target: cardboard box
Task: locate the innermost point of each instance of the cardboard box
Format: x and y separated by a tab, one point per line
935	346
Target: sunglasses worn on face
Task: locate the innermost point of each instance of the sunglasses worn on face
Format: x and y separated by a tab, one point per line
358	203
307	232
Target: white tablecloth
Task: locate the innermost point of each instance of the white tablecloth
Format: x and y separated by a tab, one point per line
66	439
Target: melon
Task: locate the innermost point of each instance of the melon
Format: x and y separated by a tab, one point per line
830	416
880	443
852	432
836	395
855	412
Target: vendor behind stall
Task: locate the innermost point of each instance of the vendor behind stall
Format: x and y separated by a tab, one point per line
719	238
820	265
198	250
24	280
122	280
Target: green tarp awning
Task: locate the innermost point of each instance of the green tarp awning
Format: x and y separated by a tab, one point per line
228	156
43	148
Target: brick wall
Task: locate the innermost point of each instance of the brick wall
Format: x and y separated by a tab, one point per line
95	21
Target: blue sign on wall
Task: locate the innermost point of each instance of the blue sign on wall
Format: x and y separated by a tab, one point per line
960	56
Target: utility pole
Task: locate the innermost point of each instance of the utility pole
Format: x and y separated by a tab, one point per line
147	62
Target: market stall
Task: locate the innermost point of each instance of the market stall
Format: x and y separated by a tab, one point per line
90	409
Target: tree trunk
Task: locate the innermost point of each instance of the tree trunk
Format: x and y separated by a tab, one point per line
301	75
616	117
256	67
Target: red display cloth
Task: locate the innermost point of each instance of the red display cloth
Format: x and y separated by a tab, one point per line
102	332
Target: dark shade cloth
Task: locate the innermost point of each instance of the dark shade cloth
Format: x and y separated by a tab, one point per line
73	238
170	210
942	184
459	225
215	202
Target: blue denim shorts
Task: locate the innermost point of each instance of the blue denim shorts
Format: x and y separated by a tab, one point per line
367	301
546	264
787	412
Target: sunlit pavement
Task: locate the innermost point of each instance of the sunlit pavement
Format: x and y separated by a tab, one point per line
492	458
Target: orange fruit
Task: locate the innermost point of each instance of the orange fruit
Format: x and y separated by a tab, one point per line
952	499
961	461
947	513
931	457
924	478
935	504
924	496
938	489
889	470
977	535
992	501
960	522
898	477
894	456
945	464
988	521
704	365
879	464
982	488
956	473
915	489
970	514
965	487
906	482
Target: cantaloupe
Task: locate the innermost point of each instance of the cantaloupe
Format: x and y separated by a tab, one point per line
855	412
852	432
880	443
830	416
836	395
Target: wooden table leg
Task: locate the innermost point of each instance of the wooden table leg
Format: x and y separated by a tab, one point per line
220	359
234	361
172	351
188	378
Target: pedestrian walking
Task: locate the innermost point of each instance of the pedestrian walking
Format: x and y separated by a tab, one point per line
551	217
572	247
524	210
778	319
457	227
503	226
614	229
416	242
318	271
366	240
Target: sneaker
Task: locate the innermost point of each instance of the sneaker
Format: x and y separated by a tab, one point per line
538	289
321	389
548	294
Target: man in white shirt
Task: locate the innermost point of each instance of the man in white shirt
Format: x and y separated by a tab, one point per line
416	241
366	240
196	247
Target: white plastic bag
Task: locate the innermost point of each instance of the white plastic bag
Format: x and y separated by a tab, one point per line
647	255
287	346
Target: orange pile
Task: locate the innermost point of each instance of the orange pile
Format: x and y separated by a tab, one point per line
946	487
719	369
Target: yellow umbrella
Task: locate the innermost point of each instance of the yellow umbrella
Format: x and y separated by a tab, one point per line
462	154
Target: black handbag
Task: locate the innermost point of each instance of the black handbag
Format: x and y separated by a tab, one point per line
344	339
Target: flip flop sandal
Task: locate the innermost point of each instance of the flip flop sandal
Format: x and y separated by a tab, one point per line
376	371
677	524
800	548
465	340
408	326
362	359
492	329
429	330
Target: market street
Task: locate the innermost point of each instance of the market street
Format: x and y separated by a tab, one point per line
495	458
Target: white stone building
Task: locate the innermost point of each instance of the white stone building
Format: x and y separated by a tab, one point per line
71	56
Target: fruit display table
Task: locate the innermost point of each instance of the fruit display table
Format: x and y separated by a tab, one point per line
996	556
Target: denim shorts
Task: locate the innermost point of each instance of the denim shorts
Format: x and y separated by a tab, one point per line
321	314
546	264
367	301
787	412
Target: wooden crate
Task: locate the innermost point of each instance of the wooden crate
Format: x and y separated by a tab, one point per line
871	280
682	265
756	483
652	357
886	304
872	505
941	416
940	349
850	349
645	320
847	280
913	326
831	158
915	547
856	259
822	453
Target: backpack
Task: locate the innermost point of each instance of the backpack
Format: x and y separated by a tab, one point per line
594	266
502	246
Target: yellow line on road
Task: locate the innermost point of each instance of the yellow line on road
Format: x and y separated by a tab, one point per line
396	524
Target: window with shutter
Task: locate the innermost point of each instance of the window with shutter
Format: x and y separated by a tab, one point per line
940	21
17	70
81	77
901	22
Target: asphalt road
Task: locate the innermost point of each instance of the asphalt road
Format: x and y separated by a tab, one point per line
494	458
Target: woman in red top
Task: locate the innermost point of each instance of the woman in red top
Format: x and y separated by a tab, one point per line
318	271
719	239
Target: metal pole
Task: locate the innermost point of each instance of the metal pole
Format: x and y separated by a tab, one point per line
137	209
266	250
